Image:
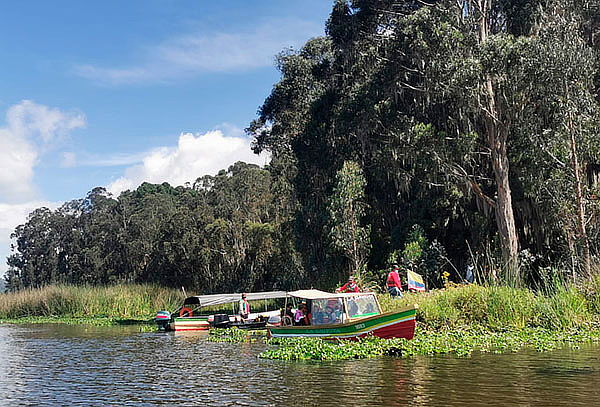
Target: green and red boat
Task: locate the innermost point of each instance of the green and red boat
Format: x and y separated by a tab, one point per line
346	316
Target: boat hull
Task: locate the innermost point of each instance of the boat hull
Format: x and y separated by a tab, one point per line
190	324
400	324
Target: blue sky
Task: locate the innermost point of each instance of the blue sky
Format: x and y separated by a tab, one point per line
114	93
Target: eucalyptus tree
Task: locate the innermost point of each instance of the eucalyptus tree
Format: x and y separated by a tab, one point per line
347	210
444	105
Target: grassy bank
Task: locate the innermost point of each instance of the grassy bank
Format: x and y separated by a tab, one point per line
499	308
493	307
106	305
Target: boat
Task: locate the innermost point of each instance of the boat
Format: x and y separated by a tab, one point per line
191	316
347	316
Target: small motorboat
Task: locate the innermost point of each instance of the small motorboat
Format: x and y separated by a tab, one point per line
346	316
191	316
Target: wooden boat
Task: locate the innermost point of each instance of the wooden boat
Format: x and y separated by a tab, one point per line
191	317
348	316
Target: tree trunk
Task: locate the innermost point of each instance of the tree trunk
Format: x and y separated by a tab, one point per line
581	232
497	136
505	218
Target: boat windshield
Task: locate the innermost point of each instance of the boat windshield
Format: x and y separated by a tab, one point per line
362	306
327	311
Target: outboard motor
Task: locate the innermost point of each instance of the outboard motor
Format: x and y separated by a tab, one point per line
163	319
220	321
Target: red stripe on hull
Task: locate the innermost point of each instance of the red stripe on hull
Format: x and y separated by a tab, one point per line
402	330
191	326
196	328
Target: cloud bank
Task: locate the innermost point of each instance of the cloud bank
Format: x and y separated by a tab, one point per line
198	52
30	129
194	156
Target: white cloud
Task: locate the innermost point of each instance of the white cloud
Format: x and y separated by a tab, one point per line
194	156
30	119
196	53
30	128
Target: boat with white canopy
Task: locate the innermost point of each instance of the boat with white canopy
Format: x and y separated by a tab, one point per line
191	316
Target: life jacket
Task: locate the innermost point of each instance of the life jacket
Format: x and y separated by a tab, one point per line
391	281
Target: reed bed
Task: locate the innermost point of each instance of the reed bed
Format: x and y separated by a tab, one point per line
562	307
126	301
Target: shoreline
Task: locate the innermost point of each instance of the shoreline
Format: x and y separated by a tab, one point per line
458	320
95	321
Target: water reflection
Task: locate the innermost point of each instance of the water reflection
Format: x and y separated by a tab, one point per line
75	365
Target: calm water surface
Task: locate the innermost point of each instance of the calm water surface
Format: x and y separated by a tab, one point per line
76	365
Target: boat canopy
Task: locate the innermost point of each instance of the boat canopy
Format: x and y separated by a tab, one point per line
319	295
218	299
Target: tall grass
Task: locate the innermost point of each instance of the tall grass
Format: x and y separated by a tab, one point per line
119	301
562	307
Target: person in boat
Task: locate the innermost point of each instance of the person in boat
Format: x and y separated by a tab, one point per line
244	307
302	316
394	286
337	312
329	316
288	316
349	287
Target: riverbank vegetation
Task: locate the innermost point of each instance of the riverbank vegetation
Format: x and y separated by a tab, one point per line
559	307
98	305
459	342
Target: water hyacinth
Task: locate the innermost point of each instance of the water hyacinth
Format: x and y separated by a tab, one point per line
459	342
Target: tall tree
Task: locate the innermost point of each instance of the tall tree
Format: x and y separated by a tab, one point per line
347	209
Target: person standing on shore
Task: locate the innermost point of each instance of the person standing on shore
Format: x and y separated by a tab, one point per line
394	286
244	307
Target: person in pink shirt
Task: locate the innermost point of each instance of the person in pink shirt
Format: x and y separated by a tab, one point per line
394	286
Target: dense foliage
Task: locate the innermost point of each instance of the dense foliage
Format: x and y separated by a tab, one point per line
435	133
229	232
475	120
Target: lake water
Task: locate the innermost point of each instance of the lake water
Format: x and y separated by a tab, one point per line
60	365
